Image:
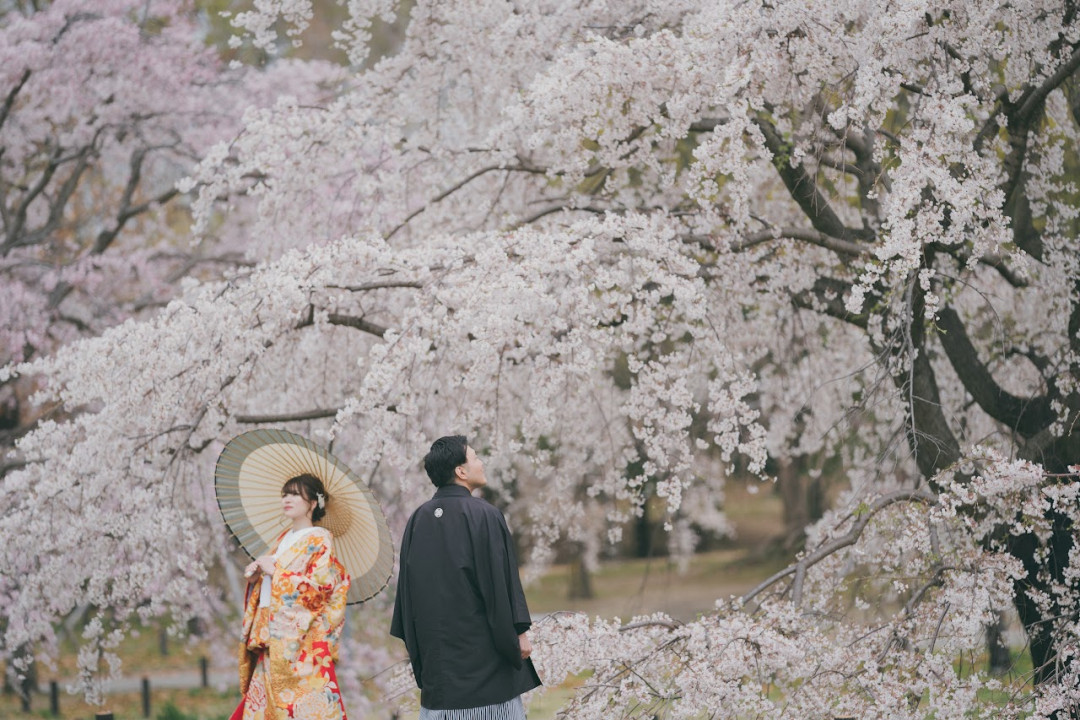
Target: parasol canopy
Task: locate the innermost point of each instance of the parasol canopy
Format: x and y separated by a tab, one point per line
250	473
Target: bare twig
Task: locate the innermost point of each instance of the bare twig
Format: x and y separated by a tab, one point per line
556	208
457	186
673	625
378	285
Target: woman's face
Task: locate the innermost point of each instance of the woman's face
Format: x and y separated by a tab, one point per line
294	506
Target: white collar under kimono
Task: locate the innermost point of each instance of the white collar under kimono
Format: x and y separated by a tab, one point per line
287	541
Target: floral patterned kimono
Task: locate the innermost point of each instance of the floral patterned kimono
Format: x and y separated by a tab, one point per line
290	645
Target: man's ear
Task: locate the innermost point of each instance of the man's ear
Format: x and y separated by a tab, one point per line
460	472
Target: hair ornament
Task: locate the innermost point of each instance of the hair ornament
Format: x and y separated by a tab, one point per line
321	499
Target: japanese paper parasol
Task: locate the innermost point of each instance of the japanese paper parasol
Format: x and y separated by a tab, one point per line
247	481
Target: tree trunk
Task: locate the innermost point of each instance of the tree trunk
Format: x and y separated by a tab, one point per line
23	686
580	581
643	534
1000	659
803	499
936	449
1039	624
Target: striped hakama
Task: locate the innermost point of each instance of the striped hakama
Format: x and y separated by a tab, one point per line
512	709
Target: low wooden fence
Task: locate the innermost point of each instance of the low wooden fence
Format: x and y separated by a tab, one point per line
144	689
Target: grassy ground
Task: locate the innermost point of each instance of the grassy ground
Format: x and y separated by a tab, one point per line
635	587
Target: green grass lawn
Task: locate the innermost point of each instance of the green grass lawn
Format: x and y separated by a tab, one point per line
625	588
635	587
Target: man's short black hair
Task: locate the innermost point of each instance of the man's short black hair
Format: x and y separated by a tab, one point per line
446	454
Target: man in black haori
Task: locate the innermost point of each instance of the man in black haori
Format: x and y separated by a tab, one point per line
460	608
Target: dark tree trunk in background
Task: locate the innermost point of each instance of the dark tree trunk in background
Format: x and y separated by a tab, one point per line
643	534
24	686
803	499
580	587
999	661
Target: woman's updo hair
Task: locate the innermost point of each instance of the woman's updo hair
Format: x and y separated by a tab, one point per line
311	489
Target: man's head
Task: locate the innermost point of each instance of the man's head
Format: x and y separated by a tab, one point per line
451	460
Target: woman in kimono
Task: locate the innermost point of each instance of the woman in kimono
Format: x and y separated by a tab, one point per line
294	611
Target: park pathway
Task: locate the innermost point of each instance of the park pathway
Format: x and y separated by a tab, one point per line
159	680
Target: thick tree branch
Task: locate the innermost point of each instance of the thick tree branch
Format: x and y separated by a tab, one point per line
1031	102
1023	116
932	440
997	262
841	247
358	323
1025	234
59	203
9	101
706	125
127	211
965	76
106	237
827	296
804	190
1027	416
14	230
1007	273
10	465
315	414
1028	103
842	166
1074	321
862	146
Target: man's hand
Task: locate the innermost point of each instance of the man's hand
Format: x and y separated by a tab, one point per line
526	646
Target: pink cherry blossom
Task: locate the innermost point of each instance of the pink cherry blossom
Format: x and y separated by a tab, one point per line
634	250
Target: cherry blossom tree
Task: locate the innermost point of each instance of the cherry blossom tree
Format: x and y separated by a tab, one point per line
626	249
103	108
